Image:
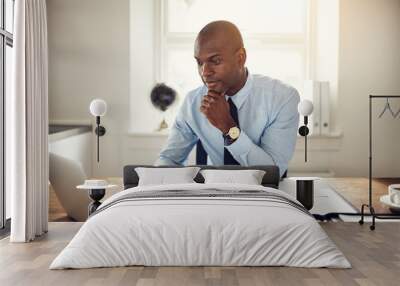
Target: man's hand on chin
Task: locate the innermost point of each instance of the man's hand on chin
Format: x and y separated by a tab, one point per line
216	109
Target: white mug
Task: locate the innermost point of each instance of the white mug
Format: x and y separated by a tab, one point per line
394	194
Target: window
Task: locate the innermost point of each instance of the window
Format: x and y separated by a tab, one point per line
6	44
276	35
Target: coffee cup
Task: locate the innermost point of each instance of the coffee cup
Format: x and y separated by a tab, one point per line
394	194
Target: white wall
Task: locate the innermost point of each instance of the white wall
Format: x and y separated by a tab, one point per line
89	58
97	65
369	64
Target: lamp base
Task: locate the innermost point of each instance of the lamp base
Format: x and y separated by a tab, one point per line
305	193
303	130
100	130
163	125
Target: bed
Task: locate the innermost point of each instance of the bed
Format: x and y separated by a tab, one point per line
198	224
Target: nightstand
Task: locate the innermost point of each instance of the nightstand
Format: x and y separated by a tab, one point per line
97	190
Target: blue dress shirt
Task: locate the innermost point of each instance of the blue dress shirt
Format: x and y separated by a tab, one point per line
268	119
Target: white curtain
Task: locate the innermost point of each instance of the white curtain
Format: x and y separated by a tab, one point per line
27	123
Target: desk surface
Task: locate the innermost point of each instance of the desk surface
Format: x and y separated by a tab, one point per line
354	190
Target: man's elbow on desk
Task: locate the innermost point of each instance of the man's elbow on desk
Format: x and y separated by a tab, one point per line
250	154
164	161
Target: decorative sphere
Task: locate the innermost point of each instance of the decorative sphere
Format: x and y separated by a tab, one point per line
98	107
305	107
162	96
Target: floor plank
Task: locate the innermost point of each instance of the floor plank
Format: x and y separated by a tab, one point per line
56	211
375	257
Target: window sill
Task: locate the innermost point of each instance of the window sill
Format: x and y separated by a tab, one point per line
329	142
333	135
148	134
316	143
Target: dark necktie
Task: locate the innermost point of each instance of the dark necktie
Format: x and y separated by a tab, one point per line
228	158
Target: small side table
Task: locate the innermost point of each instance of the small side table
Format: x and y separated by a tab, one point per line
305	190
96	193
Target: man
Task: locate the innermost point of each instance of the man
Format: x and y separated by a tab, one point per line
238	117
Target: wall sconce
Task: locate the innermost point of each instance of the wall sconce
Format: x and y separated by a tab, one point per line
98	108
305	109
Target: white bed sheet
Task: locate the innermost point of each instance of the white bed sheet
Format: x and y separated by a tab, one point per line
200	231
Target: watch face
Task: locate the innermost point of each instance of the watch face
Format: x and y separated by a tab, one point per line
234	132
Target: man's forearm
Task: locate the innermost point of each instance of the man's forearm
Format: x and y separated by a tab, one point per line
164	161
247	154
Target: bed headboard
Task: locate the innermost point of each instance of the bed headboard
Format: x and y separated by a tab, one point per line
270	179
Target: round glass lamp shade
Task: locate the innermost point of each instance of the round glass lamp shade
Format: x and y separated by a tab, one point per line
305	107
98	107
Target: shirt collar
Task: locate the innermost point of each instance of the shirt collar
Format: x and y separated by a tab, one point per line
240	97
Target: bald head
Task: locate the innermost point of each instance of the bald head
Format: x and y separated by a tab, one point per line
221	33
220	57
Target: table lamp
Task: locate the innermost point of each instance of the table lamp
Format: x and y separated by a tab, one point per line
98	108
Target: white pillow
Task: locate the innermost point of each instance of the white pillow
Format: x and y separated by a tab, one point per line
248	177
164	176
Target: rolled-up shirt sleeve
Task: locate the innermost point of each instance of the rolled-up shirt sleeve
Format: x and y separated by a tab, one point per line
180	141
277	144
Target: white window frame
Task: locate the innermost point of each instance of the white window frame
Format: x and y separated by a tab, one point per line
6	40
305	43
163	39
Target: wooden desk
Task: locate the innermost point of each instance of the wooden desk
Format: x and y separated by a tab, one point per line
355	191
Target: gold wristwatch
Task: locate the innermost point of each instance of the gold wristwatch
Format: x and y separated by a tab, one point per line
232	135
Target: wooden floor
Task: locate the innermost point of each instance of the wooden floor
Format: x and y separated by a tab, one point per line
374	255
354	190
56	211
